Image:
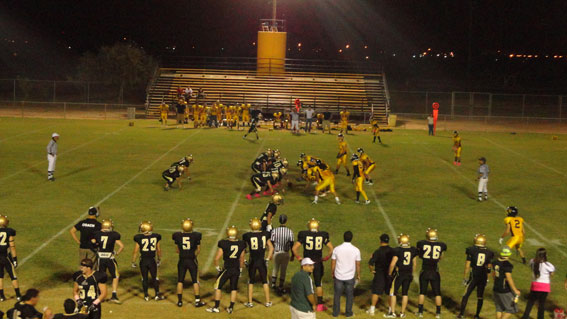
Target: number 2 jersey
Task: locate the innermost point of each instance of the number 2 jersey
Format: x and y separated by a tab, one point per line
231	251
148	244
187	243
5	234
105	242
516	226
88	286
405	259
313	243
257	243
430	253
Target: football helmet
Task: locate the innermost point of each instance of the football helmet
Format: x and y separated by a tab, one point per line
512	211
107	224
94	211
506	252
146	227
277	153
431	234
275	175
313	224
455	133
404	240
187	225
283	171
360	150
354	157
277	199
285	163
340	135
181	168
302	155
269	152
231	232
299	163
255	224
189	158
480	240
318	162
4	221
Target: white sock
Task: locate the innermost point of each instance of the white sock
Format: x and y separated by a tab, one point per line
316	198
372	308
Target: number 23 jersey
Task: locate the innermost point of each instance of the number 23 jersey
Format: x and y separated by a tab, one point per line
148	244
313	243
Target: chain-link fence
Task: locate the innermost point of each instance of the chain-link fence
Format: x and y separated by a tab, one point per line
70	110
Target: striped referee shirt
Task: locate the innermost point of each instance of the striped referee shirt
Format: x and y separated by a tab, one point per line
282	237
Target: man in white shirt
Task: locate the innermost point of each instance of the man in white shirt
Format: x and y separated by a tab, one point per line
52	156
345	267
308	119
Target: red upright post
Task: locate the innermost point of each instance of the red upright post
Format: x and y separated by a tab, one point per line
435	115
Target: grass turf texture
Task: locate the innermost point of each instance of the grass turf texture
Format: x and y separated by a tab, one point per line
415	182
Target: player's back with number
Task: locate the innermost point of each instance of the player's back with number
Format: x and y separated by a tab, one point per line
148	244
187	243
257	243
231	251
516	225
106	240
313	243
406	256
480	258
430	253
5	235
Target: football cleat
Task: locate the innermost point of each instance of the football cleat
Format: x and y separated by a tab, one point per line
313	224
277	199
255	224
370	312
367	202
4	221
115	300
199	304
213	310
268	304
179	304
480	240
404	240
402	315
248	304
512	211
229	309
231	231
158	298
187	225
431	234
146	227
107	224
147	298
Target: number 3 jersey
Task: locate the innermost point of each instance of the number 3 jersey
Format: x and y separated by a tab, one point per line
430	253
313	243
187	243
148	244
88	286
231	251
405	258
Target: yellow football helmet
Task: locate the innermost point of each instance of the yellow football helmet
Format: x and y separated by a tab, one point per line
431	234
231	232
146	227
181	168
480	240
275	175
269	152
277	199
4	221
255	224
285	163
187	225
189	158
283	171
404	240
107	224
313	225
277	153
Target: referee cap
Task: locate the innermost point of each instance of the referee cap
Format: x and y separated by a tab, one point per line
283	219
54	135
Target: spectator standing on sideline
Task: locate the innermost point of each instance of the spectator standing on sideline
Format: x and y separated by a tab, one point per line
180	109
505	293
52	156
378	264
88	227
483	171
542	271
345	267
327	121
295	122
430	124
282	237
308	119
303	304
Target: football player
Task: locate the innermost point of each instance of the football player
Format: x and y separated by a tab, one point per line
185	162
104	241
261	180
188	244
148	245
163	111
89	288
8	257
260	164
87	227
270	212
457	148
171	175
514	228
253	128
376	131
232	251
313	242
358	178
258	240
401	271
368	164
326	179
246	114
277	120
379	264
430	251
344	121
342	155
479	265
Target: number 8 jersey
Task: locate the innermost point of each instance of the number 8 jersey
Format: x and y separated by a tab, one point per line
313	243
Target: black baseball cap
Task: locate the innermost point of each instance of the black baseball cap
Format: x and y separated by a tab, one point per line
384	238
283	218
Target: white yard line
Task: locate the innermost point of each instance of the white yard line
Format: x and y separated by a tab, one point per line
221	233
104	199
525	157
59	155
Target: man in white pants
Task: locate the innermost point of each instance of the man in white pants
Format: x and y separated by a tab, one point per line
295	122
52	156
482	178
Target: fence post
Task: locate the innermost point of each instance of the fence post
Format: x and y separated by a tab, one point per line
64	110
523	104
105	111
489	104
452	105
426	102
88	92
22	106
54	90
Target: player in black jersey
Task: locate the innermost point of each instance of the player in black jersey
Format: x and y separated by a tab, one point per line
401	271
479	265
270	212
231	250
260	164
379	264
313	242
505	293
261	180
171	175
8	257
258	240
89	289
185	162
148	245
430	251
253	128
71	311
104	241
188	244
26	307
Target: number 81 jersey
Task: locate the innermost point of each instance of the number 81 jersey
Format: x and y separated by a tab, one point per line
430	253
148	244
313	243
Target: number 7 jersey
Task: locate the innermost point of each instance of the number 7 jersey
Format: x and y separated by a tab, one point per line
313	243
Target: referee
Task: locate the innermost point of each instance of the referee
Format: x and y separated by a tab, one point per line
483	171
282	237
52	156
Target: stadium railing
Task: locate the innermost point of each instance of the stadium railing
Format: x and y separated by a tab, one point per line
69	110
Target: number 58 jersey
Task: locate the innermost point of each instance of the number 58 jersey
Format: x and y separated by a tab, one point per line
313	243
148	244
430	253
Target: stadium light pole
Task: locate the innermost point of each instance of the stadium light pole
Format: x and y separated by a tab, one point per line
274	5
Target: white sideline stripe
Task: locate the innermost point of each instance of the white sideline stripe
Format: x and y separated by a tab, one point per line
221	233
47	242
529	159
23	134
545	239
62	153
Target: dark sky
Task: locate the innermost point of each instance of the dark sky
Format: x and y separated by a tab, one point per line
228	27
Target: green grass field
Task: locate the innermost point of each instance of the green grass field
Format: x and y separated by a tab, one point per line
416	185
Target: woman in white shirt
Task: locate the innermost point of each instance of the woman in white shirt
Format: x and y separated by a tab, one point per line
542	270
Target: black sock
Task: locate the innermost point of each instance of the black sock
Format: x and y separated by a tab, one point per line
419	308
281	283
217	303
231	305
479	306
357	196
437	309
523	260
379	140
197	298
114	295
319	300
18	293
179	297
2	293
374	140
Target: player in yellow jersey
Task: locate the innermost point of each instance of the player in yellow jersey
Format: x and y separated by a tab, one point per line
320	121
514	228
195	110
202	115
220	111
246	114
342	155
228	115
457	148
326	179
376	131
368	164
344	121
163	111
358	178
277	120
214	115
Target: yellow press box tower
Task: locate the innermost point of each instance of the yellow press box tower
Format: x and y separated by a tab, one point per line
272	44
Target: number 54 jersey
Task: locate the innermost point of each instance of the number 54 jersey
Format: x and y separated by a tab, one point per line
313	243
